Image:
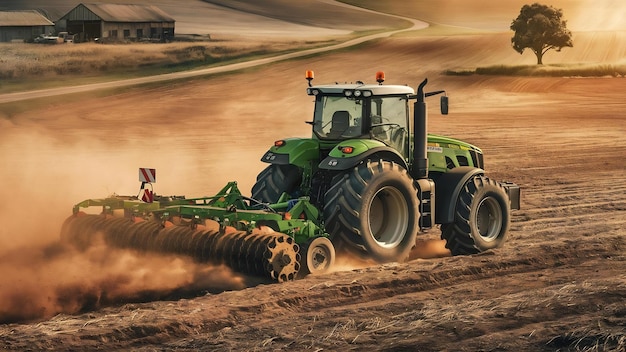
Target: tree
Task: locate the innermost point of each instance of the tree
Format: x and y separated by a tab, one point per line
540	28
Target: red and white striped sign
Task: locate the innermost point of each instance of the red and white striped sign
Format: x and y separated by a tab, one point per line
147	175
147	196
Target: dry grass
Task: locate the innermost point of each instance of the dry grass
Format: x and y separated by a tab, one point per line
589	340
557	70
514	311
21	64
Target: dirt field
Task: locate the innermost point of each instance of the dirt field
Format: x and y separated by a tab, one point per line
559	283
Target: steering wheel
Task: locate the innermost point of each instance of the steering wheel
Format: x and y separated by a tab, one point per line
389	126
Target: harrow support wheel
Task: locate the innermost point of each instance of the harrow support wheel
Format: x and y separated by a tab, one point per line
318	256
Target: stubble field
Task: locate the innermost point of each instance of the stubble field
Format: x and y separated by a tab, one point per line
559	282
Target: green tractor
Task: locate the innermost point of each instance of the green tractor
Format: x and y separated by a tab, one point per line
367	182
379	179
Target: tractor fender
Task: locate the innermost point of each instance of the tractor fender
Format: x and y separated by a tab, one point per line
448	186
295	151
350	153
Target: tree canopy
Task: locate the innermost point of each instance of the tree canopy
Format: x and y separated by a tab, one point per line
540	28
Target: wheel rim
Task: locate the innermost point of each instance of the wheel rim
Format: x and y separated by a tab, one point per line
389	217
489	219
319	257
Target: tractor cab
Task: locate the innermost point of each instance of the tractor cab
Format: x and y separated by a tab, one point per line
362	111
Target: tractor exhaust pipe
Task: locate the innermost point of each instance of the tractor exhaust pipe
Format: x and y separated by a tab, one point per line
420	124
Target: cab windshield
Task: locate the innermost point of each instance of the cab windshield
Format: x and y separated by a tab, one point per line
337	117
383	118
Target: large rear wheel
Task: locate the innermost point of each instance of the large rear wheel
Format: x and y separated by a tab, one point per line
274	180
373	211
482	218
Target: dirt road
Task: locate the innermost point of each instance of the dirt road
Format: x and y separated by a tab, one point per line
51	92
559	283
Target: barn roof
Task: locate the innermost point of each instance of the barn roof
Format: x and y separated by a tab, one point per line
23	18
128	13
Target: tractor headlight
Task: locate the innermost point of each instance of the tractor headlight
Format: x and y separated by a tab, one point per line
349	93
312	91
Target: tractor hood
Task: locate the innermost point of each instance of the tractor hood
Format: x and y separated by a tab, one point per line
435	141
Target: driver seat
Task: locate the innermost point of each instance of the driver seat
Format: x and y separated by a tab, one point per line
339	124
378	131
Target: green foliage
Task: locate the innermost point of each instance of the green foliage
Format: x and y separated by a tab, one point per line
540	28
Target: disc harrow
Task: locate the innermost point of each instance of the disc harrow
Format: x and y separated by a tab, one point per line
273	255
247	235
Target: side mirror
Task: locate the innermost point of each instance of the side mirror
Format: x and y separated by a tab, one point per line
444	104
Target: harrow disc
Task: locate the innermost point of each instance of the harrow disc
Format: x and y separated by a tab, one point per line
273	255
283	266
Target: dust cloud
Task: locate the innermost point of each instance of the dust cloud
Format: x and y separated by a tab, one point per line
39	282
41	178
429	248
426	247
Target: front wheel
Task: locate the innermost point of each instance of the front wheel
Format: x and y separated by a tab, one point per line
481	220
373	211
272	182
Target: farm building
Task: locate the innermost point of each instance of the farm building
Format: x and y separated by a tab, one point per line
23	25
115	22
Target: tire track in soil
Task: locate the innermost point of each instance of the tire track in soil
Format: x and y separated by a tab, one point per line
333	298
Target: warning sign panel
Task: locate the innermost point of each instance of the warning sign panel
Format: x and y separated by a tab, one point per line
147	196
147	175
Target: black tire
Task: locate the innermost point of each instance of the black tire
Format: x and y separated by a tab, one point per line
274	180
373	211
317	256
482	218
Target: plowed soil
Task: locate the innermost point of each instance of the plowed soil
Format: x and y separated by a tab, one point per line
559	282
